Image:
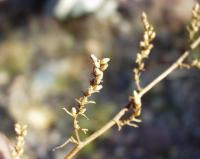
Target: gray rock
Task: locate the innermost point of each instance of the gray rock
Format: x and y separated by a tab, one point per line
76	8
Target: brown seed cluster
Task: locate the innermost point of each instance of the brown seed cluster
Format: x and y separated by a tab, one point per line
99	66
145	49
21	132
194	26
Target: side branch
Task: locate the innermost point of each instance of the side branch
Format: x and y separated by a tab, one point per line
175	65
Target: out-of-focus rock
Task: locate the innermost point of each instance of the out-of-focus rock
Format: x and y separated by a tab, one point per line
26	110
76	8
108	9
46	76
15	54
39	117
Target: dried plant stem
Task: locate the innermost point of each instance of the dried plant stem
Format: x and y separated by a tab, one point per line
77	136
195	43
121	113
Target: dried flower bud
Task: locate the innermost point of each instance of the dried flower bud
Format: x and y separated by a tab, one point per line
95	61
98	79
146	36
17	128
97	71
98	88
104	67
105	61
83	100
82	111
74	111
152	35
90	90
196	63
94	58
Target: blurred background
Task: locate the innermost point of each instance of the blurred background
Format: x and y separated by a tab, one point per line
44	64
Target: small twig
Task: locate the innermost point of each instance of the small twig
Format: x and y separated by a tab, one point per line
61	146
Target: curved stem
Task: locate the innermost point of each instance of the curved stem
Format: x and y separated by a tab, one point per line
121	113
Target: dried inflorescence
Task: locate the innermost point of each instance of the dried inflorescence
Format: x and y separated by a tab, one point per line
99	66
194	26
21	131
145	49
193	29
146	46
